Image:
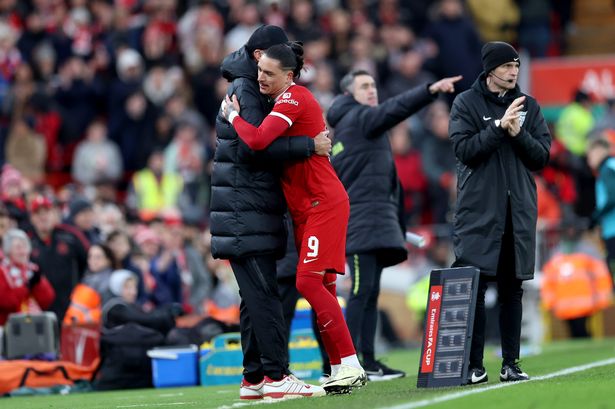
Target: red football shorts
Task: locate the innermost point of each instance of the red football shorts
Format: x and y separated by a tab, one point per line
321	238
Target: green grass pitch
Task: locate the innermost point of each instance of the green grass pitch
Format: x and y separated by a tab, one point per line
589	384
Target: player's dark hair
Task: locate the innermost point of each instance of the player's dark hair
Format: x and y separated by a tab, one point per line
290	56
348	79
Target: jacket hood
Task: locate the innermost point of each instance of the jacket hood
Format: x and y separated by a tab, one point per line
480	86
239	65
340	107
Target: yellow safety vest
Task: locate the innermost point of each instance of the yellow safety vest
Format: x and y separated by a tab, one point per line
155	196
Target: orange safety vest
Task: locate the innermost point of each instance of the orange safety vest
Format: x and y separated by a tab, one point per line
85	306
576	285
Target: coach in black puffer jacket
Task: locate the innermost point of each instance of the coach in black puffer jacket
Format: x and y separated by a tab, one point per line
247	209
247	203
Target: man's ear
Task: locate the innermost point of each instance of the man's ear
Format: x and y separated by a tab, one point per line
257	54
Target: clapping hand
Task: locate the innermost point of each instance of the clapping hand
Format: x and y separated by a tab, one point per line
510	120
34	280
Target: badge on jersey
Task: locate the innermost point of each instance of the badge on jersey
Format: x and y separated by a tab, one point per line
287	98
522	115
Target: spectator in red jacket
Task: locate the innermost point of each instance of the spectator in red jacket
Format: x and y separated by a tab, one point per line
22	287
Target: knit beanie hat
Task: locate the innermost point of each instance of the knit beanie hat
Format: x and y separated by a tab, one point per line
9	175
77	206
496	53
266	36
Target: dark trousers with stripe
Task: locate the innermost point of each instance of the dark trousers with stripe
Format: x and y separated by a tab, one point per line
362	308
510	294
609	244
263	331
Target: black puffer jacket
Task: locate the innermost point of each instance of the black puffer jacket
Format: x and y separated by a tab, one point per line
247	203
492	170
363	161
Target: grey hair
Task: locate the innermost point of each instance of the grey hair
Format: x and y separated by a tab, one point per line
14	234
348	79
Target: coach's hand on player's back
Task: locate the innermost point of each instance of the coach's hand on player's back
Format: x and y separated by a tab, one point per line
322	143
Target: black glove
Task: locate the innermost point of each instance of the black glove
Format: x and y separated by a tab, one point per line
34	280
176	310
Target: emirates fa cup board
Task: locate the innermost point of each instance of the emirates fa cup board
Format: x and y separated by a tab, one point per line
449	320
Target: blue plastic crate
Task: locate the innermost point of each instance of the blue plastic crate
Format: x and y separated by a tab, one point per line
174	366
221	362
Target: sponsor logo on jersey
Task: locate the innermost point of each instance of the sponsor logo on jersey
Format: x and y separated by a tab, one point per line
286	95
288	101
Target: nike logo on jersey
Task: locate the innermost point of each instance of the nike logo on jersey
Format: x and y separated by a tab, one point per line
486	118
305	260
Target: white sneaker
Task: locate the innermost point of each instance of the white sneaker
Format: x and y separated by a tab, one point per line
345	379
251	391
290	387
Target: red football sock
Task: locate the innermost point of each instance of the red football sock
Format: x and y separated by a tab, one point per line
334	355
331	323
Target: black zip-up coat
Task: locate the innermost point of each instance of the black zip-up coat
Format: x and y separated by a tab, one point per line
247	203
363	161
494	168
63	260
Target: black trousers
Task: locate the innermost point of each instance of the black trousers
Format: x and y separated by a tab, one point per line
362	307
289	296
609	244
578	327
263	332
510	294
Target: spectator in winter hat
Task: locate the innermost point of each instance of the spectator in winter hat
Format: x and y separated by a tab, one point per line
22	286
122	308
81	215
12	193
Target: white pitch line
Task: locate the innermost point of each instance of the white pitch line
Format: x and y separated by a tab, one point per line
255	402
147	405
473	391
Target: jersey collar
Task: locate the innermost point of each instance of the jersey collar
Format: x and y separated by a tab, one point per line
285	89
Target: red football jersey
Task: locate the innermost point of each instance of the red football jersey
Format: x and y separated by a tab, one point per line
309	182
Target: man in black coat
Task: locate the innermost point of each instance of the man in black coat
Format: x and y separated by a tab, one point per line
500	137
247	210
60	251
363	161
